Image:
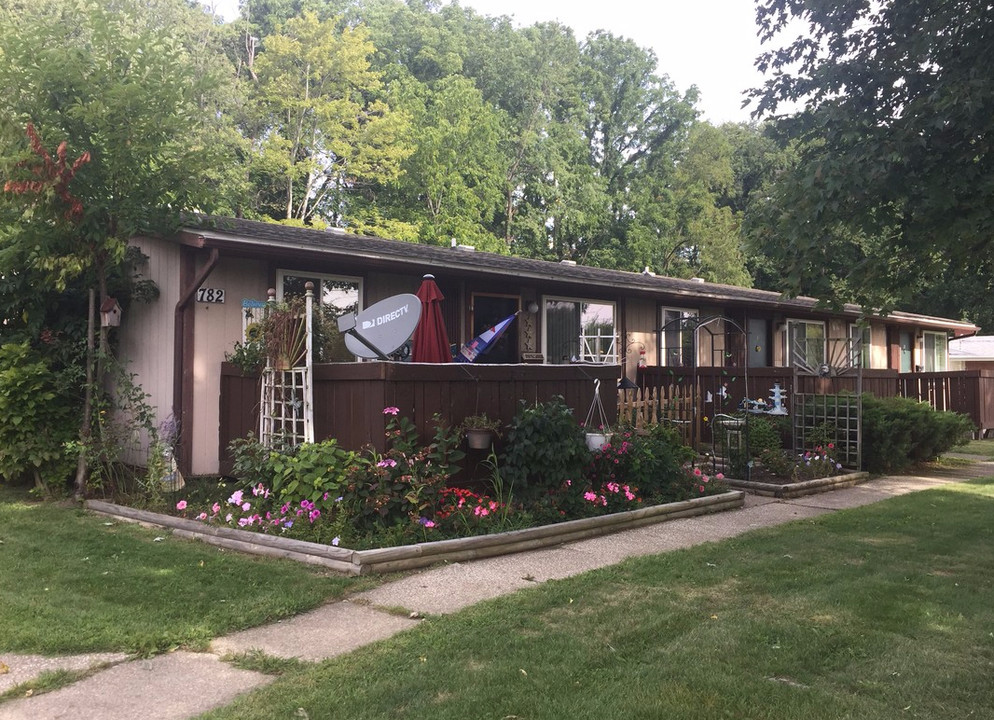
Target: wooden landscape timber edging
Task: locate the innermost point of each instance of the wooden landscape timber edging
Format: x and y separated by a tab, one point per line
798	489
409	557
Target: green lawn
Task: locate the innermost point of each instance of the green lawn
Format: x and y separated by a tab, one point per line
977	447
876	613
74	582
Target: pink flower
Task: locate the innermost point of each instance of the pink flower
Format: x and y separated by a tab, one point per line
697	472
216	508
391	410
236	497
700	488
246	507
387	462
227	518
181	505
202	516
719	476
590	496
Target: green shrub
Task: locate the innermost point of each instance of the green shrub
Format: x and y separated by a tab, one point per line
312	472
762	436
37	422
545	448
898	432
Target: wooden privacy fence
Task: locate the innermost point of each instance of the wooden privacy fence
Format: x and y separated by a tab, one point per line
970	392
349	398
719	390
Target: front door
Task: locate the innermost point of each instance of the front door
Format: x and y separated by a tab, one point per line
904	340
488	310
759	346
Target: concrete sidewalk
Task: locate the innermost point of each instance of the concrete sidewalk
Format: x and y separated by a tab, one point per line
183	684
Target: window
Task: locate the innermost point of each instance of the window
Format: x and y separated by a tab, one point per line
335	296
861	342
806	343
934	347
579	331
676	338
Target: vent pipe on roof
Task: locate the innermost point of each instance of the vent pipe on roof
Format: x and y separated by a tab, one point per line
466	248
567	262
648	272
697	280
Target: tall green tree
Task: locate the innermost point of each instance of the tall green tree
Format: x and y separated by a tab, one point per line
896	173
321	132
126	87
680	228
451	185
635	124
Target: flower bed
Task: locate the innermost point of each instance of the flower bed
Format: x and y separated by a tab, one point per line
407	557
322	495
787	489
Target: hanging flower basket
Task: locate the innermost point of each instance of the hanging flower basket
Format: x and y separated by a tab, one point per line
597	440
479	439
480	431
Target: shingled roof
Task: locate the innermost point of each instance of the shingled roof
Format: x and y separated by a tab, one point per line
270	238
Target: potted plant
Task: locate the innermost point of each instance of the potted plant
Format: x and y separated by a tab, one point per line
284	334
480	431
597	438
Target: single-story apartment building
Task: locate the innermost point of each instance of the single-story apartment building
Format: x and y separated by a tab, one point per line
972	353
214	273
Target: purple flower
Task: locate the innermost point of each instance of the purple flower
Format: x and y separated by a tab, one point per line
335	540
391	410
387	462
236	497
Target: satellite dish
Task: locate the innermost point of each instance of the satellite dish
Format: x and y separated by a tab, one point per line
381	328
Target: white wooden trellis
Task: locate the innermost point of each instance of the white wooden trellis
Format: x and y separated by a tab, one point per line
286	407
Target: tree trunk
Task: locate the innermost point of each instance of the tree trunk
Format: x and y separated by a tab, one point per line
85	431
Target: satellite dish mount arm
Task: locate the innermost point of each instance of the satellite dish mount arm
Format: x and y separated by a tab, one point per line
346	324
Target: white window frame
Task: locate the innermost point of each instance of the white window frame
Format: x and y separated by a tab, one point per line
320	277
586	351
789	349
664	349
864	333
931	361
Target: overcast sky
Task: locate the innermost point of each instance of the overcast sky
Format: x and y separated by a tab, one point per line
708	43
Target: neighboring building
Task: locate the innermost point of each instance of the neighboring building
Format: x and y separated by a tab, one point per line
972	353
571	313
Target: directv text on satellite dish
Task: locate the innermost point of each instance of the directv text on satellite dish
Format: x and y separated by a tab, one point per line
384	319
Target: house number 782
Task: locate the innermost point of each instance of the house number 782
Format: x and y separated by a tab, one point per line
210	295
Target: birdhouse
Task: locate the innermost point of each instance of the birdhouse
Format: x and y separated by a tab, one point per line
110	313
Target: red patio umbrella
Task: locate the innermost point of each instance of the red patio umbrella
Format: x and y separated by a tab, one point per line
431	342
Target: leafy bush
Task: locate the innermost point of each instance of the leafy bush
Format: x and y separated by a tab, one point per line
312	472
808	465
545	448
762	436
37	423
898	432
652	460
